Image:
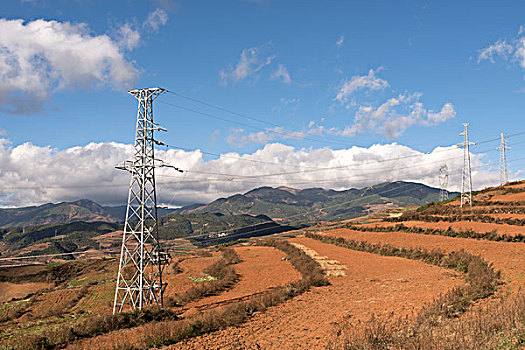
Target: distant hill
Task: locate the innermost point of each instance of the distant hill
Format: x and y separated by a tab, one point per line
282	204
73	226
65	212
313	204
204	229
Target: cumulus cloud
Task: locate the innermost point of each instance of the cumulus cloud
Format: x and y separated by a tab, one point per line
33	174
248	64
155	20
391	117
360	82
40	57
397	114
282	74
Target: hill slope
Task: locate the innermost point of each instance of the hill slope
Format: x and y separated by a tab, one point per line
319	204
65	212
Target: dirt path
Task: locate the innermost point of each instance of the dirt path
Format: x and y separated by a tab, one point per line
330	267
507	257
373	285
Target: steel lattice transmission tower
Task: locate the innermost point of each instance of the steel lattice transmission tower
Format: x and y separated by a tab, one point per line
503	178
466	178
139	280
443	182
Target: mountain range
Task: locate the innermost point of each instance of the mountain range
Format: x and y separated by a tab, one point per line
65	212
281	204
284	204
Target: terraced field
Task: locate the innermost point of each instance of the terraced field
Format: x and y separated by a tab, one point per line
373	285
425	279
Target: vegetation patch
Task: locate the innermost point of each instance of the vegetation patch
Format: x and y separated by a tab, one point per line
202	279
456	218
89	327
449	232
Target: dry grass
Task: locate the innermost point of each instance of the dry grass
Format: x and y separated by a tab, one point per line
498	325
89	327
445	323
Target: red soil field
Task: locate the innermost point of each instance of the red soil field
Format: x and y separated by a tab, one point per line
191	266
507	216
510	197
506	256
457	226
9	291
373	285
49	303
518	185
261	268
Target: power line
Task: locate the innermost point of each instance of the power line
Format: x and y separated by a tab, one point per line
226	231
230	176
239	234
249	117
306	213
142	261
240	158
466	178
273	131
503	160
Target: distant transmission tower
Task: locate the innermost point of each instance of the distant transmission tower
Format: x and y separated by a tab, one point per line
443	182
503	178
466	178
139	280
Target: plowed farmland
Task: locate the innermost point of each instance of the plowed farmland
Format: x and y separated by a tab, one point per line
373	285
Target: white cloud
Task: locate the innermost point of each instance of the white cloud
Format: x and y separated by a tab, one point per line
340	41
499	48
155	20
249	63
32	174
359	82
392	117
396	115
509	50
239	137
282	74
3	132
40	57
128	38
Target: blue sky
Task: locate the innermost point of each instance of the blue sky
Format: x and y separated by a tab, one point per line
298	56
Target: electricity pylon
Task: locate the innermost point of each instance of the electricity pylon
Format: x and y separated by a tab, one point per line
443	182
139	279
503	178
466	177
